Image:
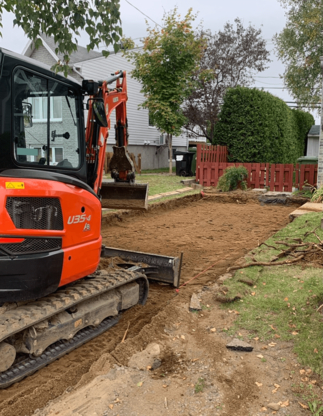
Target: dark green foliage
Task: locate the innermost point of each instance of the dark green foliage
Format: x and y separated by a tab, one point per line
233	178
258	127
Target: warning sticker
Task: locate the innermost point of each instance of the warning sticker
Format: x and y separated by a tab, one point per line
15	185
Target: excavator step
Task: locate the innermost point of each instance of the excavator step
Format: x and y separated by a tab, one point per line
119	195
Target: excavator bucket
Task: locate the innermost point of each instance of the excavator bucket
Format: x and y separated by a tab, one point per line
121	195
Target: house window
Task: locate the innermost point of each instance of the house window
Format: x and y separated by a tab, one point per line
150	121
39	105
56	155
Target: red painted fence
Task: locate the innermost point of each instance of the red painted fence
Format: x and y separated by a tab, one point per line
277	177
211	154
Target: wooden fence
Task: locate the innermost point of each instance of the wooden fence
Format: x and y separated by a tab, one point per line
211	154
277	177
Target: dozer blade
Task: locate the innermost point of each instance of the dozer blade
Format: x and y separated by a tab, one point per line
124	195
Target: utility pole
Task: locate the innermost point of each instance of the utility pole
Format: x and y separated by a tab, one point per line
320	158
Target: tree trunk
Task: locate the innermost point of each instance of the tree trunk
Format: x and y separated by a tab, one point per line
170	138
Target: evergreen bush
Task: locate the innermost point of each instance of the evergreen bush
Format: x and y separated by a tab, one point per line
233	178
258	127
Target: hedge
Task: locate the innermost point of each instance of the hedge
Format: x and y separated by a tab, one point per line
258	127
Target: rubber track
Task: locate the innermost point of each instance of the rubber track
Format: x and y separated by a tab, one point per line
24	316
30	365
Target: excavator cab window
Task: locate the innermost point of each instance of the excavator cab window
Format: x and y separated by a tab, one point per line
46	122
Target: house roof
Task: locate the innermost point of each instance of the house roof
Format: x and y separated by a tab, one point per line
315	130
81	54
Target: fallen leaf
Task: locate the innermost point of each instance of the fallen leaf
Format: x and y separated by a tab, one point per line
253	293
277	386
303	405
277	336
256	339
286	299
239	333
272	344
315	351
302	371
117	400
285	404
165	385
260	356
140	383
308	371
236	312
313	381
258	384
148	367
183	336
111	406
207	306
194	359
184	378
272	327
255	287
213	329
264	347
263	409
294	333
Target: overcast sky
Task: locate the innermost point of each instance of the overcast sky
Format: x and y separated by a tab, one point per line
265	14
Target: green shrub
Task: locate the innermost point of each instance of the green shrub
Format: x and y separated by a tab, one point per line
233	178
258	127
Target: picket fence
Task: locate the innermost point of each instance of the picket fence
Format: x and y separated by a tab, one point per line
276	177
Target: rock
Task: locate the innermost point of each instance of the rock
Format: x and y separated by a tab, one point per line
142	360
224	277
273	406
238	345
156	364
195	303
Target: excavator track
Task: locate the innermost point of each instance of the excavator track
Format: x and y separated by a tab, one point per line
16	319
32	364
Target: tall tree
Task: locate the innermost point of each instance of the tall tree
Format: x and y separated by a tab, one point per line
63	19
231	58
164	67
300	46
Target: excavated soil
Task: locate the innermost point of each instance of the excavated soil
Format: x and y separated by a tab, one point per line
208	233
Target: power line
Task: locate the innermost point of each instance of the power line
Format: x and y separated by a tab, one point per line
263	76
143	13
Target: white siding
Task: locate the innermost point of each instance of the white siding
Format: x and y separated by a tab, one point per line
139	130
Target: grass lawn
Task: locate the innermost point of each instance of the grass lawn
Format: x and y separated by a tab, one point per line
283	300
160	183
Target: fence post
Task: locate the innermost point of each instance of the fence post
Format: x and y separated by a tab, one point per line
198	162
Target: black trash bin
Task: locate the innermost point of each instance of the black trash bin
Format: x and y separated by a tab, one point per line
184	163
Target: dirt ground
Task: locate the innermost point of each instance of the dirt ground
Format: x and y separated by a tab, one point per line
96	378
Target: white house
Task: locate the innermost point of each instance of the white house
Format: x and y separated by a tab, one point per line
143	137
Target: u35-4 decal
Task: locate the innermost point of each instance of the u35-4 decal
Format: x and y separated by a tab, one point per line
76	219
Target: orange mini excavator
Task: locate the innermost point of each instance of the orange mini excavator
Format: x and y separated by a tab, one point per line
52	298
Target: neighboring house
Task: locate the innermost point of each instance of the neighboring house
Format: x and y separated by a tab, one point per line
144	138
313	137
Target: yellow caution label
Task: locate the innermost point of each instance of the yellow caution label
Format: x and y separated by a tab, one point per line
15	185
